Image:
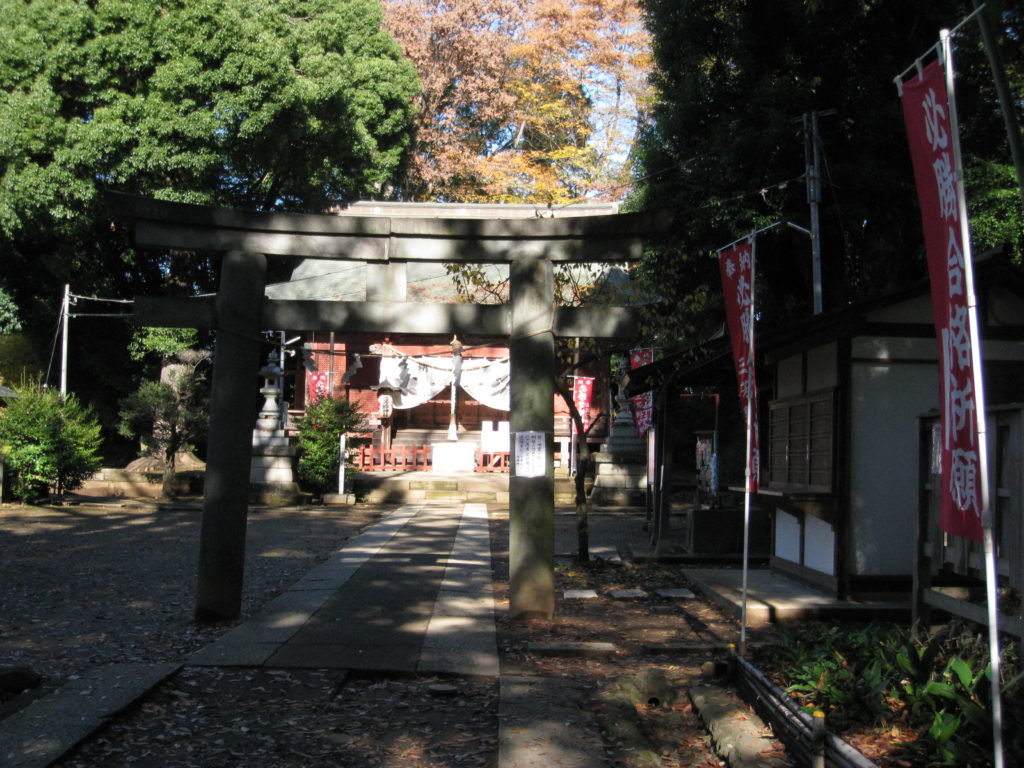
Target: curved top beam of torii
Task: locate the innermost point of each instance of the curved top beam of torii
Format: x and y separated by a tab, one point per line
420	232
350	234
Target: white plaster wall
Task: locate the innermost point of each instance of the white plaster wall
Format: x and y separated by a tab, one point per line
821	367
819	545
787	536
903	349
882	348
886	399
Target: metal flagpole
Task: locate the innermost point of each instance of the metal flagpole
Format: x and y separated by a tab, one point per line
64	315
748	474
988	536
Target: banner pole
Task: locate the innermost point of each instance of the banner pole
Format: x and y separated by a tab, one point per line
746	535
988	536
748	474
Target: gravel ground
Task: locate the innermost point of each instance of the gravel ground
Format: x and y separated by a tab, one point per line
99	584
90	585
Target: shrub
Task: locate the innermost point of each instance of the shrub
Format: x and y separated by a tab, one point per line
939	686
48	440
325	421
168	415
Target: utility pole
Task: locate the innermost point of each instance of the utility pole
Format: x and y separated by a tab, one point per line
64	316
812	158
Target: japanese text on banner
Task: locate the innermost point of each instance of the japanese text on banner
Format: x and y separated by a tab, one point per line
927	115
736	265
582	394
643	405
318	385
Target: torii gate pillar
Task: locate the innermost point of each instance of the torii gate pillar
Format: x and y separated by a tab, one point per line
229	447
532	499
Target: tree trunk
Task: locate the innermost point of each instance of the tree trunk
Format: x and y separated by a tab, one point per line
583	452
170	466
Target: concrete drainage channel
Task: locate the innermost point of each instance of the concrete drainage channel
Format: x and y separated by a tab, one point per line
804	738
724	706
732	687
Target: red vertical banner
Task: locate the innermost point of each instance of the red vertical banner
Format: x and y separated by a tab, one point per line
582	394
736	263
317	386
926	111
643	405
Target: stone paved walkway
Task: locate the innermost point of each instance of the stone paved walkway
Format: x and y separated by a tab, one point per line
411	594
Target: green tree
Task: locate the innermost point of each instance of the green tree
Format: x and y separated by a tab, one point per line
325	421
258	104
49	441
9	320
170	414
725	150
165	342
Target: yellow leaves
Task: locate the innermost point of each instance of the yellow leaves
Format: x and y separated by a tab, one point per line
524	101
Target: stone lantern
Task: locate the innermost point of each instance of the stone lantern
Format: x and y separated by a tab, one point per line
271	475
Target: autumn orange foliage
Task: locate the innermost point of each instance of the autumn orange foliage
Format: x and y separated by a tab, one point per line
524	100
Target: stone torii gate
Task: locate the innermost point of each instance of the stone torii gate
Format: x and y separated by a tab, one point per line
240	311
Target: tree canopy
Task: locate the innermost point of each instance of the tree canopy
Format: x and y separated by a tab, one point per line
726	149
523	100
259	104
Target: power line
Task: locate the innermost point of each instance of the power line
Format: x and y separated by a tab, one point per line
97	298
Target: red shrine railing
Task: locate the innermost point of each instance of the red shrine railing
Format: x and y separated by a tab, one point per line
417	458
372	458
496	461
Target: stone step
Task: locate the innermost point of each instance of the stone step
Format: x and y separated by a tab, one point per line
618	497
632	470
618	481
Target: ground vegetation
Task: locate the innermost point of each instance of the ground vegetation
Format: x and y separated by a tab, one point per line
49	441
319	430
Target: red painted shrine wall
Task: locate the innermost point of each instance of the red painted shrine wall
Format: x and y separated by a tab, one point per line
432	415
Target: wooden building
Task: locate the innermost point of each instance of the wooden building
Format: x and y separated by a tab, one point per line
848	402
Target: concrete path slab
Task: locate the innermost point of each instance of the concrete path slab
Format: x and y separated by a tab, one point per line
774	597
461	635
411	594
50	727
379	618
256	640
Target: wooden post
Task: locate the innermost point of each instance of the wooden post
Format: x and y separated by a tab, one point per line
532	499
229	451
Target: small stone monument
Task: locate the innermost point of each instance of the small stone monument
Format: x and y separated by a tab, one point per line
271	477
621	464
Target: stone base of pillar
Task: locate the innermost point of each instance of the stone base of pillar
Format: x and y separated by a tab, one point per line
271	474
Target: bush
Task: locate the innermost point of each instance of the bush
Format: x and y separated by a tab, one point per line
939	686
325	421
48	441
168	415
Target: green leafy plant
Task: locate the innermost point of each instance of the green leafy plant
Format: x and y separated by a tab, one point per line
939	685
325	421
48	441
